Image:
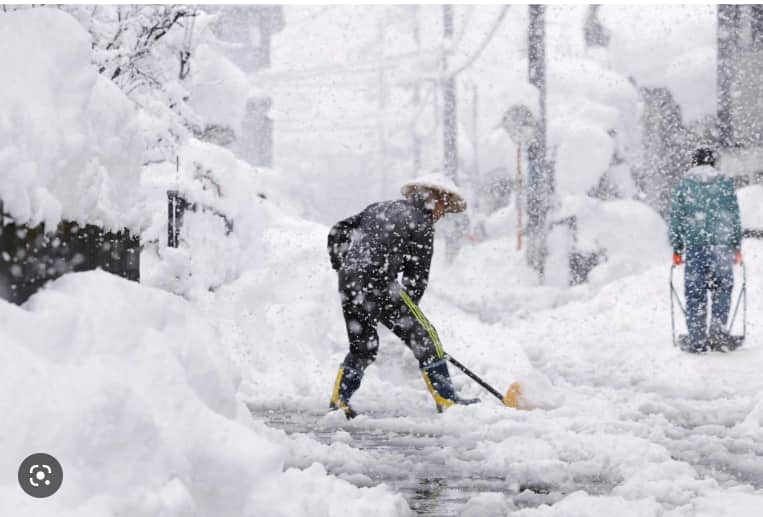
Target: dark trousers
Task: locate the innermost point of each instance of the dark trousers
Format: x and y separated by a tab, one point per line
368	302
708	268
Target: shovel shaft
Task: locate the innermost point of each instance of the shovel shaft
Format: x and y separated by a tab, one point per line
475	377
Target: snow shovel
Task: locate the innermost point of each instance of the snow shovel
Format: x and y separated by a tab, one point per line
511	398
736	340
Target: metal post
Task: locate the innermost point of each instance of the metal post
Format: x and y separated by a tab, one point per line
728	18
175	208
540	181
449	122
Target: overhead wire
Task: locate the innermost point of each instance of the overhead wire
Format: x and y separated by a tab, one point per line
372	67
483	45
320	73
464	26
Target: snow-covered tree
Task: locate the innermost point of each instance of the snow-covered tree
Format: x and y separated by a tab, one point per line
146	51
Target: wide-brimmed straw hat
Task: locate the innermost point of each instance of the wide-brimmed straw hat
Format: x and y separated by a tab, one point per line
439	184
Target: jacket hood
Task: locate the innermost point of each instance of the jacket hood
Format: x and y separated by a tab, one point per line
703	173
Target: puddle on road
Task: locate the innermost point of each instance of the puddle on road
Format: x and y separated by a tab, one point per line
410	465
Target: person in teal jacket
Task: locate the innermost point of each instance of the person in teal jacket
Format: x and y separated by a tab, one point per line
706	234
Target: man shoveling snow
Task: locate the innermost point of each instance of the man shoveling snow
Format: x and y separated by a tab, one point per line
369	250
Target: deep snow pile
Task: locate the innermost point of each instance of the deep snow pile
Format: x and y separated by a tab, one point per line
129	388
70	145
680	52
492	277
234	205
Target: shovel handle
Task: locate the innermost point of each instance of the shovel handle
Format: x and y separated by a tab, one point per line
474	377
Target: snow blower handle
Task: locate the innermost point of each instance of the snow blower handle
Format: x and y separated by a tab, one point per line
511	398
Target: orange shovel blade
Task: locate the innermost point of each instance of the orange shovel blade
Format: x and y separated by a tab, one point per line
511	398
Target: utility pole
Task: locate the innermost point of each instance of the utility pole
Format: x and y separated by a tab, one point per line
728	19
382	103
449	131
416	94
540	182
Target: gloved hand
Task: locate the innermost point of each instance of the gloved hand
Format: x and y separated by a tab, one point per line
739	258
677	259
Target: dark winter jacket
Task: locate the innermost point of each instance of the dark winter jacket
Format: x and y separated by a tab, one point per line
705	211
384	240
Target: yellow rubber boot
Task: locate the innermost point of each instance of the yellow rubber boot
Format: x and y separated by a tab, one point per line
347	382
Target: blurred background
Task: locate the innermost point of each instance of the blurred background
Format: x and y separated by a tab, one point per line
566	126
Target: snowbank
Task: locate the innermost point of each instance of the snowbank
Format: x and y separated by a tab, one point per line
223	187
679	54
70	145
633	236
586	102
492	278
129	388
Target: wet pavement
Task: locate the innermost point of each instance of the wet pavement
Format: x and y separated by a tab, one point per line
414	464
439	470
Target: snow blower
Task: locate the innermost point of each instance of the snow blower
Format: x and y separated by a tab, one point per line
735	340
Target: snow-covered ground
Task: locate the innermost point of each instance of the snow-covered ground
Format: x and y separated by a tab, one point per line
622	420
145	404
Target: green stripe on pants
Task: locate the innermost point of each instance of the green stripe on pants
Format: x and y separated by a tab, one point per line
424	322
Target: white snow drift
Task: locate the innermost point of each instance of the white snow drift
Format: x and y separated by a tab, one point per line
70	145
128	387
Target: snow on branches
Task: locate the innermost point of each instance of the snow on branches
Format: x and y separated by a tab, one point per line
145	50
